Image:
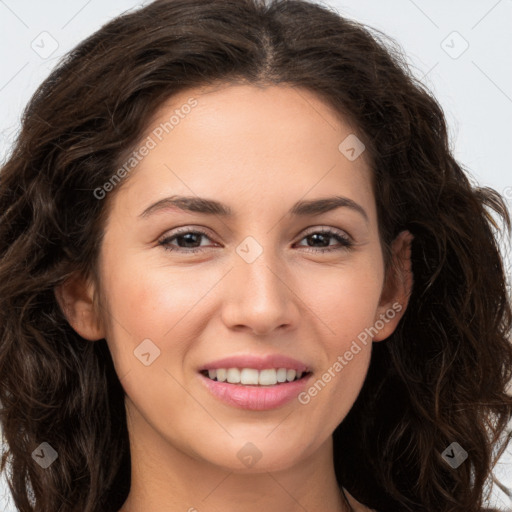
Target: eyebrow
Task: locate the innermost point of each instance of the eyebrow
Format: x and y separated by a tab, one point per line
211	207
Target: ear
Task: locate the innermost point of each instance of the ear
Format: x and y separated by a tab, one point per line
76	300
397	287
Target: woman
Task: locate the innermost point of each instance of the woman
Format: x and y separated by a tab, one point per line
142	369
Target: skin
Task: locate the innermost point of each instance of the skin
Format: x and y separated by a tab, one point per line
258	150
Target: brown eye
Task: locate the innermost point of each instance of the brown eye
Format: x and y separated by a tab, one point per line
323	238
187	241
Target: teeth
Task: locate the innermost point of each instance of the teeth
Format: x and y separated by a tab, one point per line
281	375
249	376
268	378
233	375
253	377
290	375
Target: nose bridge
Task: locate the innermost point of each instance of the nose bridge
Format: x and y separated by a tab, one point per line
258	271
258	295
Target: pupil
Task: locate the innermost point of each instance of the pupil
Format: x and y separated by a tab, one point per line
325	241
188	236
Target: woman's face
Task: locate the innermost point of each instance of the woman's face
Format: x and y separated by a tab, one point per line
262	285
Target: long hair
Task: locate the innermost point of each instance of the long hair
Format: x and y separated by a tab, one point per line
440	378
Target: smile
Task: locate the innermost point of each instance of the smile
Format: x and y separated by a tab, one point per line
254	377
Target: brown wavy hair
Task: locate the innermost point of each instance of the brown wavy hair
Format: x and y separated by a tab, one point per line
441	377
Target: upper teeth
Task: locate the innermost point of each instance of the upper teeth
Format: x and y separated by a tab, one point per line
252	376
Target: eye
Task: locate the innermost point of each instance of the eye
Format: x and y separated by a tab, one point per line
322	237
189	241
187	237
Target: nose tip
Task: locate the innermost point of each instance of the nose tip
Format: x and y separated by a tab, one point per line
258	299
260	330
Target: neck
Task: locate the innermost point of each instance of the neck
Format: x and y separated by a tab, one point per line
165	478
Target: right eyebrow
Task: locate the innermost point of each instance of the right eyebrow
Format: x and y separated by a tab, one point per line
212	207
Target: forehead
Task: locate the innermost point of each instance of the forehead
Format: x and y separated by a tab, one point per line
245	141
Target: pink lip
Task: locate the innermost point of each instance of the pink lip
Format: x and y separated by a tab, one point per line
258	363
255	398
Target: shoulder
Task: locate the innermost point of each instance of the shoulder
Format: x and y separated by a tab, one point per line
356	506
359	507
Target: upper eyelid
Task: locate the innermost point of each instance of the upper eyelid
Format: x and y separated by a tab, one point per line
303	233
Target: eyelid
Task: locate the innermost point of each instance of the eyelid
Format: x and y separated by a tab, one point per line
186	229
345	239
167	236
313	229
320	228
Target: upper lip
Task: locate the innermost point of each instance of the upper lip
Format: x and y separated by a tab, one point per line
257	362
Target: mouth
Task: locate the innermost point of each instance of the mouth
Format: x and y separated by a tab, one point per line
254	377
255	382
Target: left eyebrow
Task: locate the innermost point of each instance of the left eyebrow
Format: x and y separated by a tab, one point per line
212	207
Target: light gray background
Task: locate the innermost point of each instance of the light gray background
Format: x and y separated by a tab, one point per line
459	48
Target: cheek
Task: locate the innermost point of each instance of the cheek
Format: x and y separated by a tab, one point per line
153	301
148	332
172	307
345	303
133	312
150	301
344	300
168	306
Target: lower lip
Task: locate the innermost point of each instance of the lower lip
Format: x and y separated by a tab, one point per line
255	398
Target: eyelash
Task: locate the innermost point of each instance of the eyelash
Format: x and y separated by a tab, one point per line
346	242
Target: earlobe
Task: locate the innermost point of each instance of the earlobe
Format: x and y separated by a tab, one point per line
398	286
76	300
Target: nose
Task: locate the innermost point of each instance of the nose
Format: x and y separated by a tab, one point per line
259	297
